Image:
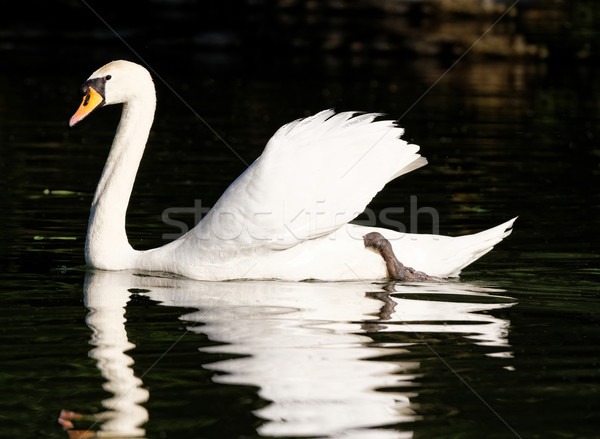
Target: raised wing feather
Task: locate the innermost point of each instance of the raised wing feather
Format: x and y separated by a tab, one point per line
315	175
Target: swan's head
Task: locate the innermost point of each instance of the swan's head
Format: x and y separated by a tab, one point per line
115	83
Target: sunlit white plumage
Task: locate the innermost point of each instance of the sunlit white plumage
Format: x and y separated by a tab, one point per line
287	216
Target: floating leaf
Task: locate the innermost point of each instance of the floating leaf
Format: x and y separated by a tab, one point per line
61	192
54	238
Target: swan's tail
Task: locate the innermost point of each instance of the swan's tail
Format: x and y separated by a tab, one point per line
445	256
467	249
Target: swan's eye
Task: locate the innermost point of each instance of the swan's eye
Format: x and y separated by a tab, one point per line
107	77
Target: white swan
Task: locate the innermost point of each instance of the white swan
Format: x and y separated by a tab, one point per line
286	216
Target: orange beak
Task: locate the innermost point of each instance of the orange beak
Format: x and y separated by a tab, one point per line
91	101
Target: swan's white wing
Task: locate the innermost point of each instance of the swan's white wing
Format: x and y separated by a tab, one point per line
314	176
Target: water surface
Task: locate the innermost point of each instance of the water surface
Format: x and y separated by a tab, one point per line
509	350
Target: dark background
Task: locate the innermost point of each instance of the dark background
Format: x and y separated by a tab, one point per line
555	29
189	35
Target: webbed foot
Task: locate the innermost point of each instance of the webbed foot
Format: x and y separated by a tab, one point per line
395	268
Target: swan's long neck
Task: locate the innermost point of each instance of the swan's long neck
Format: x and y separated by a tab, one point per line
106	245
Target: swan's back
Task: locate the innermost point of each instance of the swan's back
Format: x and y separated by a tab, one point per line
280	218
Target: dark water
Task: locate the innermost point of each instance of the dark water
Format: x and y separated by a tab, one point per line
509	350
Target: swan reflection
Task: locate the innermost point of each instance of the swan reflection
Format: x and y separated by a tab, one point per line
310	348
106	303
